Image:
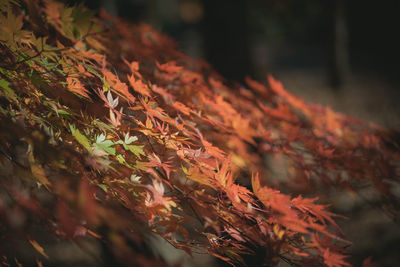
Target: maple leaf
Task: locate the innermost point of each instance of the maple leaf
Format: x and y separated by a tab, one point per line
258	87
157	197
182	108
282	112
332	259
81	69
241	198
298	103
281	204
156	112
317	210
159	90
80	137
155	161
119	87
235	234
194	173
115	117
139	86
135	178
169	67
77	87
112	103
104	145
187	115
129	139
209	148
53	11
133	66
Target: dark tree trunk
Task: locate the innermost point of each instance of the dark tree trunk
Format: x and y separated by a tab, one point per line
339	52
226	39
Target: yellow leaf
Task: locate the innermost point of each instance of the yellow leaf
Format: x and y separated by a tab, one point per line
194	174
38	248
39	174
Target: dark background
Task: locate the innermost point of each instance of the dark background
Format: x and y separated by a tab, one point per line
340	53
239	36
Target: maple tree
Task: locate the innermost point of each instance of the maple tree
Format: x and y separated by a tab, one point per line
108	130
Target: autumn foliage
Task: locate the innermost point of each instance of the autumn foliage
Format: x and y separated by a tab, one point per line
106	130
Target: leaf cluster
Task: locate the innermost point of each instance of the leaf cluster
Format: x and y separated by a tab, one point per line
107	130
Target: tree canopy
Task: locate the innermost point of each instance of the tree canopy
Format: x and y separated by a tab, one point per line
107	130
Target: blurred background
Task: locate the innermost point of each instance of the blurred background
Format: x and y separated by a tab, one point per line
340	53
343	54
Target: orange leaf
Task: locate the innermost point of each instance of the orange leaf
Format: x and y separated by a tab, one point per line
75	86
139	86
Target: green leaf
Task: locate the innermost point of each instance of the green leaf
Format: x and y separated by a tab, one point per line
80	137
82	20
106	85
104	127
130	139
48	65
185	170
135	149
141	165
5	85
63	112
105	145
122	161
104	187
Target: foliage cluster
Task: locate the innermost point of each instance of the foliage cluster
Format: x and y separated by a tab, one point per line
107	130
